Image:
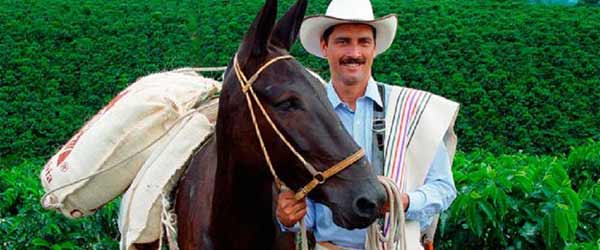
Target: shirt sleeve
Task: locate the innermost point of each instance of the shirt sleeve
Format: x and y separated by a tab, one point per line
436	194
309	220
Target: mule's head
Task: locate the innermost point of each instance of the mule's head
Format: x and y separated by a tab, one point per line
297	103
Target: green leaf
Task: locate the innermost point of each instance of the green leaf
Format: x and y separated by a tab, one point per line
474	220
501	203
40	242
489	211
68	245
548	230
524	182
561	222
573	223
571	197
475	195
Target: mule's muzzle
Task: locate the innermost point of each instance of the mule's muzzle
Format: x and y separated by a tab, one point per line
365	207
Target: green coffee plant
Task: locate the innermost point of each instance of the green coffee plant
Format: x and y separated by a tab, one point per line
526	75
517	201
589	228
583	165
24	224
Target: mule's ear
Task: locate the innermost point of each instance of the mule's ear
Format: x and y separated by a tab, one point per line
257	38
286	31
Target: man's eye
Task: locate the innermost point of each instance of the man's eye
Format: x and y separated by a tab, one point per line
365	42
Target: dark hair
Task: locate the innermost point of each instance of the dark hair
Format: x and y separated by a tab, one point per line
329	30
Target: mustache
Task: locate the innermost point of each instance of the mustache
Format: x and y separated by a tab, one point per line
349	60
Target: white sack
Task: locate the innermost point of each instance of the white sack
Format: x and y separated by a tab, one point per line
99	162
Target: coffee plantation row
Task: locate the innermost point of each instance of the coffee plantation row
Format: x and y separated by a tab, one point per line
527	76
510	201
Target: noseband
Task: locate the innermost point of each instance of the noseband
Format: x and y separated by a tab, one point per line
318	177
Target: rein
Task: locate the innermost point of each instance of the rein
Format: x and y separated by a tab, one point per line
318	176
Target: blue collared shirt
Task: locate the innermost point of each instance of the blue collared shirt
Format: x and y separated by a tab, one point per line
435	195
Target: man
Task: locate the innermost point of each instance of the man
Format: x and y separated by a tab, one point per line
420	141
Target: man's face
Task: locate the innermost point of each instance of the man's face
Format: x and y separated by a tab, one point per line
350	50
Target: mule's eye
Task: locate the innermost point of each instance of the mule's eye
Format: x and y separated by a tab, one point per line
289	104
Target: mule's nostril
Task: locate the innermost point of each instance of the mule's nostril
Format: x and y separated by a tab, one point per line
365	207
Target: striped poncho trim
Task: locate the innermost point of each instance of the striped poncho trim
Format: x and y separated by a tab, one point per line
408	106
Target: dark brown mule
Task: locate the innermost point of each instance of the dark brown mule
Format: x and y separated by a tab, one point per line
226	202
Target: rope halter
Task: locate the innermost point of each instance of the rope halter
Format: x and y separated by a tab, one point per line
318	177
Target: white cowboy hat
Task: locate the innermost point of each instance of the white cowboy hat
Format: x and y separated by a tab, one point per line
347	11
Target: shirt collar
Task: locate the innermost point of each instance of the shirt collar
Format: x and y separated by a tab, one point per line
372	92
334	99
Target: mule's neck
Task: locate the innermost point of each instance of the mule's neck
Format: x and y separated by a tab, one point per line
242	205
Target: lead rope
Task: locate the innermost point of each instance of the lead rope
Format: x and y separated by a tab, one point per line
375	238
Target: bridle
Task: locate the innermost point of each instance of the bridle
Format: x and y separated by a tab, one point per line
318	177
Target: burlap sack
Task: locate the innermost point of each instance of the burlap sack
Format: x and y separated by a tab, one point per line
142	204
101	160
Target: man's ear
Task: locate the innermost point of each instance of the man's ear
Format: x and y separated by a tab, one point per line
324	47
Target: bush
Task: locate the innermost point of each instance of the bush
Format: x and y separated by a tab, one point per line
24	224
583	165
589	216
509	202
526	75
62	61
520	202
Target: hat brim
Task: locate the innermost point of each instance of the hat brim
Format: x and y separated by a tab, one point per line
313	27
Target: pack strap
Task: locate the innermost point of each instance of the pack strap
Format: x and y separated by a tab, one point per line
379	122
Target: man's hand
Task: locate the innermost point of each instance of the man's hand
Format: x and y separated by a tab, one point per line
289	210
405	204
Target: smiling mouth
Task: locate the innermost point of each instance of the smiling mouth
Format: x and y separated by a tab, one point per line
352	65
